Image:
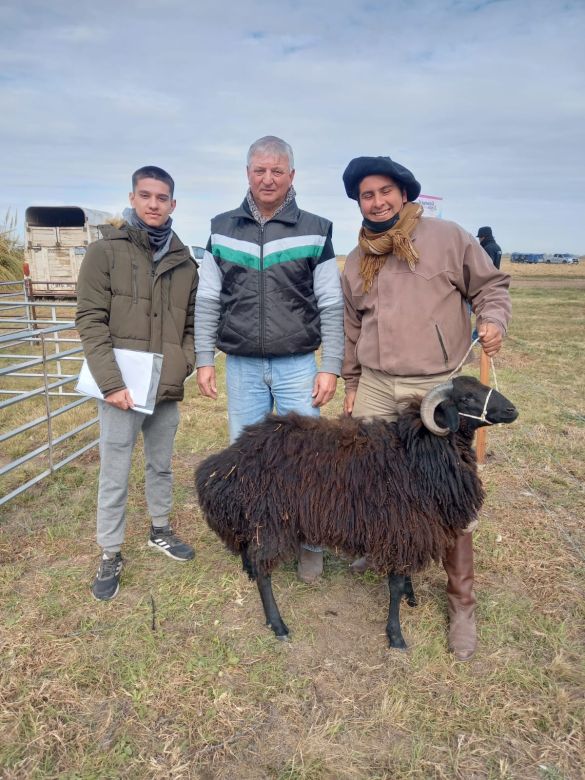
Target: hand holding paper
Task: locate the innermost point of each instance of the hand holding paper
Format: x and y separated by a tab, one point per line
121	399
141	374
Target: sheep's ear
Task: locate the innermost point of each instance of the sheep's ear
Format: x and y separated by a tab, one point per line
447	416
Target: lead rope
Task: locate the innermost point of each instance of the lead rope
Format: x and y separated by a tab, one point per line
493	368
482	417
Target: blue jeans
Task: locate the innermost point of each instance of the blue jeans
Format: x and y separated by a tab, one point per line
256	386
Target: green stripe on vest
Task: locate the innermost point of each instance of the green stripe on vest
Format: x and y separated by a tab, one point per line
295	253
235	256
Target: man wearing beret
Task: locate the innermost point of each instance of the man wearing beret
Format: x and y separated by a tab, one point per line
407	326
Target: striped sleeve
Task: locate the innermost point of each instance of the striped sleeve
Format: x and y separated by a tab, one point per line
327	289
207	311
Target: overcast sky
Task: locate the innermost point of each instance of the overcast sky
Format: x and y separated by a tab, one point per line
484	101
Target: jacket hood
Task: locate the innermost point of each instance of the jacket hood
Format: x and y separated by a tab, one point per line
114	228
117	228
118	221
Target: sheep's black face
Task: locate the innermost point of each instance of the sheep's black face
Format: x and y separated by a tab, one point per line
469	396
500	409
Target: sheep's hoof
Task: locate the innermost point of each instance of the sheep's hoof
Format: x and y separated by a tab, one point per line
283	637
398	644
411	601
280	633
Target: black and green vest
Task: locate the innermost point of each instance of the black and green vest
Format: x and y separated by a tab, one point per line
267	301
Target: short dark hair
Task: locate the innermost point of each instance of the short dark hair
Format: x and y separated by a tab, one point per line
153	172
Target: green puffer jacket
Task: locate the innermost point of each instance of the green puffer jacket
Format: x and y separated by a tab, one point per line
126	300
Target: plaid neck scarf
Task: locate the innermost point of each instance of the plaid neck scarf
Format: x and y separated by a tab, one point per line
290	195
377	247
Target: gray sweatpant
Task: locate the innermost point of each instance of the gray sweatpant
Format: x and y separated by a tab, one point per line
118	433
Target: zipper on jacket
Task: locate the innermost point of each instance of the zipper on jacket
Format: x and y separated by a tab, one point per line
169	285
441	342
262	292
134	283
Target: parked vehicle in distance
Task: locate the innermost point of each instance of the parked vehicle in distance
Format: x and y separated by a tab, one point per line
558	258
197	253
526	257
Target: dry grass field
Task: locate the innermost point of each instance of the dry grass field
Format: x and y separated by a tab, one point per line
556	274
547	271
179	678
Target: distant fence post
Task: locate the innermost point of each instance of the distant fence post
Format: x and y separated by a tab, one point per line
29	296
481	434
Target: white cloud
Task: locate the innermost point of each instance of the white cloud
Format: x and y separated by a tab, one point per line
484	101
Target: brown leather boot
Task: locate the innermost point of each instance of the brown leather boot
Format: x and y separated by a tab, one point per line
458	564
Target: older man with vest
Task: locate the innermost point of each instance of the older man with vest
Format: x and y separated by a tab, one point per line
269	296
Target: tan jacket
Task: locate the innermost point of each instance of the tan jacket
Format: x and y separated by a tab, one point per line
126	300
417	323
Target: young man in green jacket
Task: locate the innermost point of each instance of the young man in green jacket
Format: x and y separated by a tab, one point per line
136	290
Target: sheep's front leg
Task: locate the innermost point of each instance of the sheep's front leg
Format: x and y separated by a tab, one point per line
273	619
396	583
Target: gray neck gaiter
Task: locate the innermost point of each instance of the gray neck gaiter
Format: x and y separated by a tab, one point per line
158	237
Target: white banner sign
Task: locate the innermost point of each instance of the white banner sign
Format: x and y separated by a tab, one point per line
432	205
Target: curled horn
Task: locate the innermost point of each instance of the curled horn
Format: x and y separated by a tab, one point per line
430	402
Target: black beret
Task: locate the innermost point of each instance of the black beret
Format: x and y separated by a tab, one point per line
360	167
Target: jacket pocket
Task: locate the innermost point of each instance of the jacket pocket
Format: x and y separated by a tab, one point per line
442	344
134	283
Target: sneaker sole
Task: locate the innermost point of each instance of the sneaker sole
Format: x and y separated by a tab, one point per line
113	596
167	552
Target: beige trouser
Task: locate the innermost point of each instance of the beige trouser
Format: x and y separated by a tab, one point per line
382	395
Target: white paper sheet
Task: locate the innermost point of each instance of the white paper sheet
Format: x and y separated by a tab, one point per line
140	372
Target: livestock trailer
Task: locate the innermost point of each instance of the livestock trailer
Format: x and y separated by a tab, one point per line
56	238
